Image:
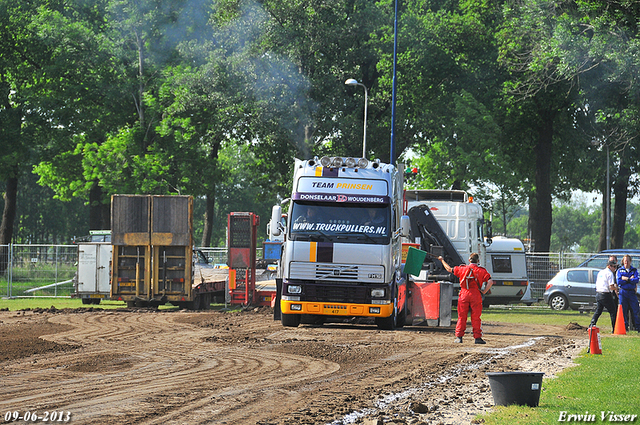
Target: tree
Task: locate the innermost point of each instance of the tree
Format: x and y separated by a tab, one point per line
596	40
326	43
539	104
448	82
25	119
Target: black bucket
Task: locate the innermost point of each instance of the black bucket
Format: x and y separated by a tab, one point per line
521	388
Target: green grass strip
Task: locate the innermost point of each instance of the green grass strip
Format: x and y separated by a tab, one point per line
16	304
601	386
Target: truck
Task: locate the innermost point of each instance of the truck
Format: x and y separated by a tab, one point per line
449	223
342	251
153	261
92	280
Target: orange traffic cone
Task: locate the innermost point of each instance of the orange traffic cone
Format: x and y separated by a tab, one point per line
620	330
595	345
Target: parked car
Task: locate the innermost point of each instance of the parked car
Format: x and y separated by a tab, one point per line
600	259
572	288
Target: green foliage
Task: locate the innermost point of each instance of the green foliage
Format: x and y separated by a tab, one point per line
572	223
152	96
45	219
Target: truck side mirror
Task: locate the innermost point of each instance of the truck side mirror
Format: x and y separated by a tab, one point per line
405	226
276	228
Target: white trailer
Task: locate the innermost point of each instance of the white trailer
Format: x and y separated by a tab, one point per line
92	280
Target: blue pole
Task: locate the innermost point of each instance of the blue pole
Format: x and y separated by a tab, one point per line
392	148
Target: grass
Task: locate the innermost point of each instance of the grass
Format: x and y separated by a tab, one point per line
542	315
602	383
15	304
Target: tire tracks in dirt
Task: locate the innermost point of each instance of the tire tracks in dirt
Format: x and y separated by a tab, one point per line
140	367
156	363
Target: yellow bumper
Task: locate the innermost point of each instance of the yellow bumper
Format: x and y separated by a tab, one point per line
335	309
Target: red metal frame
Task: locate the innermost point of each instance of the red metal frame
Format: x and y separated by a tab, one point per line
242	242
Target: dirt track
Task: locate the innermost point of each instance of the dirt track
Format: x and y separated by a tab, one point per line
150	367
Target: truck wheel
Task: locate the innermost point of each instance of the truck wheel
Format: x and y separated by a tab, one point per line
389	323
96	301
87	301
205	304
195	304
402	318
290	320
131	304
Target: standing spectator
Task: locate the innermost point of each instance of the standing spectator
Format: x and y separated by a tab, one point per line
605	293
627	279
472	277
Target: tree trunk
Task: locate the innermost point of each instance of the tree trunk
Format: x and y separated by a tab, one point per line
8	218
504	213
208	220
9	212
99	213
602	239
541	225
209	214
620	193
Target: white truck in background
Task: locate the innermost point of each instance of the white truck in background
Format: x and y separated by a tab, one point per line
449	223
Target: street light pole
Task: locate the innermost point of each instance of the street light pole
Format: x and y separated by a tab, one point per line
606	197
608	218
392	147
352	82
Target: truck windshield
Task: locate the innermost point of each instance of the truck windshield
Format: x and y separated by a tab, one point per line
361	223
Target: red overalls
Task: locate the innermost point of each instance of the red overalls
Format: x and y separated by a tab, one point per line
471	278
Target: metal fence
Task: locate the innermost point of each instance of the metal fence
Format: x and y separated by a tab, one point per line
215	255
48	270
543	266
37	270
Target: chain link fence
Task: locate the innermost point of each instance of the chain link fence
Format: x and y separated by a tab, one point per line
48	270
37	270
543	266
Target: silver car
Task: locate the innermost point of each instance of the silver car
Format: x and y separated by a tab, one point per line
572	288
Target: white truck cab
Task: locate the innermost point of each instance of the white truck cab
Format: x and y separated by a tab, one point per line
343	242
449	223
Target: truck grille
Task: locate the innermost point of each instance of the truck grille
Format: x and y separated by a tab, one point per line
336	272
344	294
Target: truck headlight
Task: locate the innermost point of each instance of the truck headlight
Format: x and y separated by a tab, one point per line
296	307
377	293
374	310
294	289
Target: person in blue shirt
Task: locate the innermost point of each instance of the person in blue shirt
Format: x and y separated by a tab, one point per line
627	279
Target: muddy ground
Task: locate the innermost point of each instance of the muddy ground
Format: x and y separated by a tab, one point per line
177	367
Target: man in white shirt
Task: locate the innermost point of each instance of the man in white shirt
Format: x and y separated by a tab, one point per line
606	289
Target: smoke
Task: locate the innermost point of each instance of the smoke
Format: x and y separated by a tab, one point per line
206	33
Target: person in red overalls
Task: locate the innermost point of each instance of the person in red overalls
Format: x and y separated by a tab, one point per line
472	277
